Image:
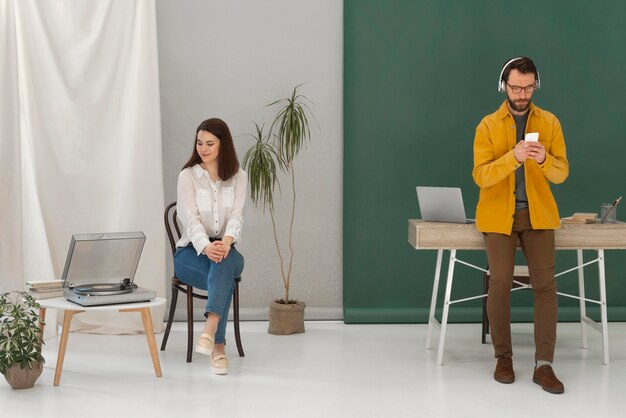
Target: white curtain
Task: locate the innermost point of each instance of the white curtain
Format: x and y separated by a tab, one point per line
80	138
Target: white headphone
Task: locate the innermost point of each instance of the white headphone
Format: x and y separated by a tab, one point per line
502	83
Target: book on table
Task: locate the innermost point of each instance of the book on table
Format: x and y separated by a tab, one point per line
44	284
45	289
45	294
581	218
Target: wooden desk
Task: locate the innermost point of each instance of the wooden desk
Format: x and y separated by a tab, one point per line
452	237
72	309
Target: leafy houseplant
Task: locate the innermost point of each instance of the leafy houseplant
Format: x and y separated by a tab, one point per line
21	361
271	152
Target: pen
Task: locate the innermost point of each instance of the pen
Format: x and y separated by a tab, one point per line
608	212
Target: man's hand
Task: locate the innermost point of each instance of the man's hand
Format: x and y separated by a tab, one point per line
529	150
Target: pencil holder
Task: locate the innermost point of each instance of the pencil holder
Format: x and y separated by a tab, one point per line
606	207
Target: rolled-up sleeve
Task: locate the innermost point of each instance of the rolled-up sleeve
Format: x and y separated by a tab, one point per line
234	222
188	213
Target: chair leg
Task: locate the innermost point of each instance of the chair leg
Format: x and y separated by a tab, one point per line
170	317
236	320
189	323
485	328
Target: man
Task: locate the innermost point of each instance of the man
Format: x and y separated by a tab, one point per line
516	204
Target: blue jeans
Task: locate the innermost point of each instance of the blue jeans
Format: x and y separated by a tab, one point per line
216	278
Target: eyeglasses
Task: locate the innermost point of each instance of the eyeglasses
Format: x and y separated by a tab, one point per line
518	89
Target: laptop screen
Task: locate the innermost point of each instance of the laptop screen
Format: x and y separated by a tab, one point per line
102	258
441	204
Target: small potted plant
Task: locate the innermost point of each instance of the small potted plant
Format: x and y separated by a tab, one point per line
21	361
271	152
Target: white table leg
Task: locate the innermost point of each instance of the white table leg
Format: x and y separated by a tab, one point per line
67	321
433	300
581	293
603	313
446	307
146	317
42	323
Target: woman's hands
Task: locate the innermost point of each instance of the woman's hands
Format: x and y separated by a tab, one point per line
218	250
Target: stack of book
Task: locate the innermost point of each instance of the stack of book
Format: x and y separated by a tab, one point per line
581	218
45	289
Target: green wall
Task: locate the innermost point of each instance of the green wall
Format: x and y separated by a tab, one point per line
418	77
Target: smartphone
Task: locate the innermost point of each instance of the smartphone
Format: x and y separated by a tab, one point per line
532	137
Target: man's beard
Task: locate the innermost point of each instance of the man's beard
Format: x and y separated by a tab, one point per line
520	106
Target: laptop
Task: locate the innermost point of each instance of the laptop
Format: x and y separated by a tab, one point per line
442	204
100	269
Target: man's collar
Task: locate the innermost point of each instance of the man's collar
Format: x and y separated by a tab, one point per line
503	111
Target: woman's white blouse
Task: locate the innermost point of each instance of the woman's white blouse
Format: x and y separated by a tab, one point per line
209	209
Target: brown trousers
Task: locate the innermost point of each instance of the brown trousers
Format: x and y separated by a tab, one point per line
538	248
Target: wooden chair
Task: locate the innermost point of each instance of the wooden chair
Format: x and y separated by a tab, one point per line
521	280
171	225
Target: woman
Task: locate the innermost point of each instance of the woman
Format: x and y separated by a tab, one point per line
211	195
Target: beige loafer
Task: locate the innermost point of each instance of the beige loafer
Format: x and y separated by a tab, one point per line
219	364
205	344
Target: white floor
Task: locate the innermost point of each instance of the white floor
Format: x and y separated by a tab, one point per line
332	370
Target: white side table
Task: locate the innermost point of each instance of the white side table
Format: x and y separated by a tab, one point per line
72	309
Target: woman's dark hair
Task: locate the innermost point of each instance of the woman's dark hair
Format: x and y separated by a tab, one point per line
524	65
227	163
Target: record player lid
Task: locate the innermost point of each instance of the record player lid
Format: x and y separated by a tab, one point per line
102	258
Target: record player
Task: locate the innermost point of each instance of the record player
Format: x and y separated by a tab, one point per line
100	269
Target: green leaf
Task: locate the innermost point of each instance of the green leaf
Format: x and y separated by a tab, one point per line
292	126
260	162
19	330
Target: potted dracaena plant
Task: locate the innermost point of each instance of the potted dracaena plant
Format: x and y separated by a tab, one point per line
21	361
273	152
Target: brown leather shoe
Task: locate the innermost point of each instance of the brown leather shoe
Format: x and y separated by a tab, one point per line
504	371
544	376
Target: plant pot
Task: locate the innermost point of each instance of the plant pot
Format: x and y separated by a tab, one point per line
286	319
24	378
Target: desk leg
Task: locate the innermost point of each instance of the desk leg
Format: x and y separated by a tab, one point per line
446	307
433	300
147	324
603	313
581	294
67	320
